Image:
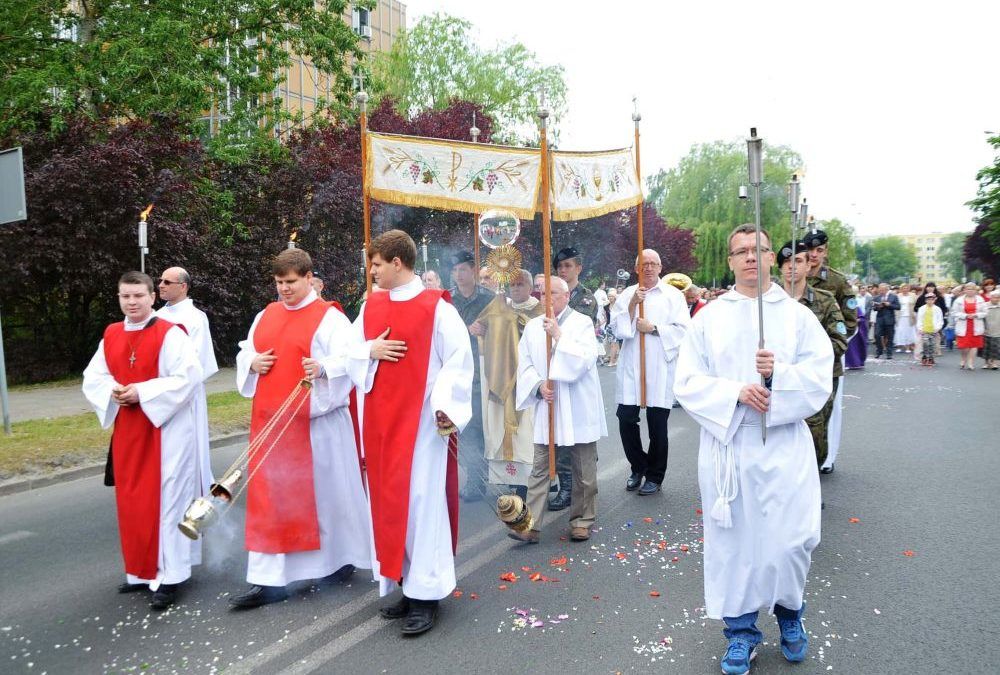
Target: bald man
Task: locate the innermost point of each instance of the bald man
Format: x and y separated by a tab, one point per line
665	321
174	286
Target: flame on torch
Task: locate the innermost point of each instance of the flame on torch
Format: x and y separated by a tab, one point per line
145	214
293	236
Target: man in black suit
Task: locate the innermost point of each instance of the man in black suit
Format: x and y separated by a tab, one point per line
886	305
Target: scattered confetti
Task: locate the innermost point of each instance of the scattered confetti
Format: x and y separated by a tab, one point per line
908	553
654	594
854	520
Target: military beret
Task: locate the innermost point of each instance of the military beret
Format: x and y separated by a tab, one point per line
567	253
817	238
463	257
785	252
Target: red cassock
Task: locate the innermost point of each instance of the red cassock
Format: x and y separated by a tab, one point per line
135	444
281	500
392	418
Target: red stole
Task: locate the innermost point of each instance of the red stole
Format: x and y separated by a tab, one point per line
392	417
281	499
135	444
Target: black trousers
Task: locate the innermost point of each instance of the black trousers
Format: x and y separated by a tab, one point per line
887	331
652	464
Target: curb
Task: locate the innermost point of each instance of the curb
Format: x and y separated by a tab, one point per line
28	484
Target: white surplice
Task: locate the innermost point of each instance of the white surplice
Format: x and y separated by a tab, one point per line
195	322
167	402
428	564
771	494
344	526
579	404
667	309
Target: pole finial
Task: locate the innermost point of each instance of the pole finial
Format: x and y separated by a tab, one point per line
636	117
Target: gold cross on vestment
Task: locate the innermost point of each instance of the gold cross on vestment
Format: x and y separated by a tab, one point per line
131	359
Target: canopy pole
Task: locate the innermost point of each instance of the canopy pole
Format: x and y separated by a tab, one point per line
543	115
362	99
636	117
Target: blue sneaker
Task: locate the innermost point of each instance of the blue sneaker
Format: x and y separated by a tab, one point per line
794	641
738	656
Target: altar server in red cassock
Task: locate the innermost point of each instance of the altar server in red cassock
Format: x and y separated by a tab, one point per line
305	499
141	380
412	363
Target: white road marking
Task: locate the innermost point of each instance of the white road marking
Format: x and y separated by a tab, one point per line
15	536
321	657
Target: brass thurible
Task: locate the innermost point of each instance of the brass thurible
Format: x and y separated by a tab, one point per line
514	513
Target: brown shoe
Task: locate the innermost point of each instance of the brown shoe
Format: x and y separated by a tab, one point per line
529	537
580	534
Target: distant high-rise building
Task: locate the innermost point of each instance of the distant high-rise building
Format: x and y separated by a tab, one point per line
925	246
302	86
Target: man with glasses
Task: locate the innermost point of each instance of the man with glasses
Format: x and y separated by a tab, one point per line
568	264
174	285
761	499
665	321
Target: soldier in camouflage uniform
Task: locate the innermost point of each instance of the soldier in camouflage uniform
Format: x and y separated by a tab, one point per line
824	306
568	264
825	277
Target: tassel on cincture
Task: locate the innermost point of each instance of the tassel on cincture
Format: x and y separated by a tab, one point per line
722	513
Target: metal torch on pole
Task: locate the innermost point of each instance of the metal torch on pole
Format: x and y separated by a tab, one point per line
793	207
755	163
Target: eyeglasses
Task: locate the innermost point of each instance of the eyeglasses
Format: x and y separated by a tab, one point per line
168	282
745	252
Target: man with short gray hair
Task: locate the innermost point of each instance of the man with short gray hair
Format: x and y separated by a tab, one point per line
569	381
174	285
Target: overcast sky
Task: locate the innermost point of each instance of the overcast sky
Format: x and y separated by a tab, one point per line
886	101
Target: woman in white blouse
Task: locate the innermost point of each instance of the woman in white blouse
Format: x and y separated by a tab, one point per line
968	312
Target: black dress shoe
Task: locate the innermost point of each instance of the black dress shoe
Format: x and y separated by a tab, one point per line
396	611
163	597
340	576
258	596
421	618
633	482
132	588
560	501
827	469
649	488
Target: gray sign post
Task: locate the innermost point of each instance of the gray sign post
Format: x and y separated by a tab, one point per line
12	208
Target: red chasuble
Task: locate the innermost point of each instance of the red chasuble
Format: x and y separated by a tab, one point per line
135	444
391	420
281	499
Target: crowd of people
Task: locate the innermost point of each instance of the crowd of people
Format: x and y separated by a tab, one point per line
923	322
427	386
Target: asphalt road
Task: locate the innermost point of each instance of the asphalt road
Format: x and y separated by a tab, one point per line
909	587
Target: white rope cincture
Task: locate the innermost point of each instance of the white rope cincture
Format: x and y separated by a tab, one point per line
726	484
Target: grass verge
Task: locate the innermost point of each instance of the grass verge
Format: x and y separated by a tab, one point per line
47	445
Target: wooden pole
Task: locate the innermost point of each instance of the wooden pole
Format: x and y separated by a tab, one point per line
474	132
543	115
362	99
642	336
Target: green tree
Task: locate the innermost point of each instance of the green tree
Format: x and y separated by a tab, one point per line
950	255
892	258
439	60
863	262
118	60
840	249
987	201
701	193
